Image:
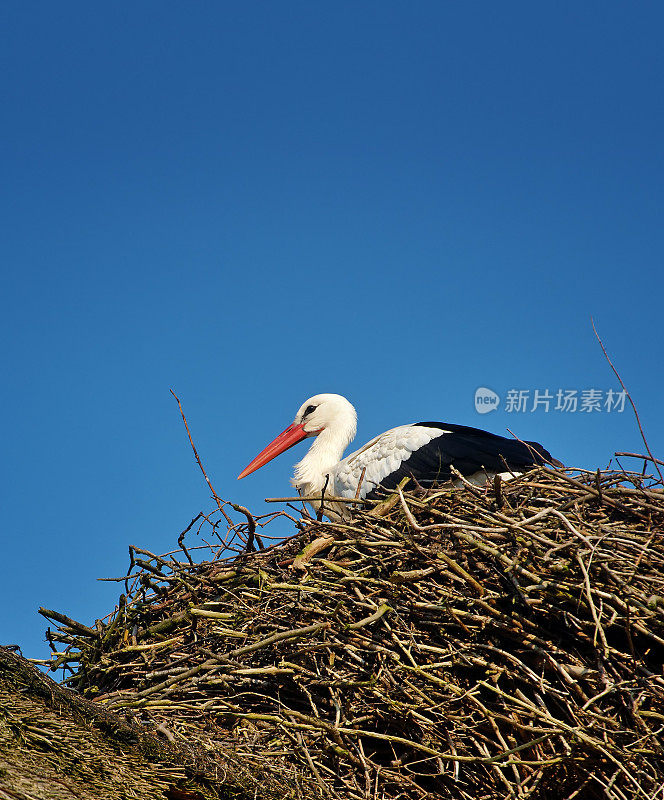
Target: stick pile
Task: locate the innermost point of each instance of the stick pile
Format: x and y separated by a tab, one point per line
460	643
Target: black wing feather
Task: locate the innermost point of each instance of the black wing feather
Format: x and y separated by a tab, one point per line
468	450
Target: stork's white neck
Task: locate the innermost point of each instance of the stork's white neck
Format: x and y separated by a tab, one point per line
325	452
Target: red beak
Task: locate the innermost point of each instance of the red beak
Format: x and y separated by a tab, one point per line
291	436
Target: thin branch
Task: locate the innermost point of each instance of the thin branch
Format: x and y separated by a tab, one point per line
184	533
629	397
200	463
359	483
318	498
321	508
640	455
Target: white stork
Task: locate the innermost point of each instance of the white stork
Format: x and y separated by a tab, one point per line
423	450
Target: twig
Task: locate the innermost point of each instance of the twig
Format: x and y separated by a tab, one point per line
251	528
640	455
359	483
629	397
317	498
184	533
319	513
498	489
200	463
79	628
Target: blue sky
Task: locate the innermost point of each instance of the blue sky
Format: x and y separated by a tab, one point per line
253	203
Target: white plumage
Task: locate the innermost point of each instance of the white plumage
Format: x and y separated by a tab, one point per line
378	458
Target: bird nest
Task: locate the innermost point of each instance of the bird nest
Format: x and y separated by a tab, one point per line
471	643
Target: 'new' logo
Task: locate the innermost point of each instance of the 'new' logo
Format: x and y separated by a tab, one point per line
486	400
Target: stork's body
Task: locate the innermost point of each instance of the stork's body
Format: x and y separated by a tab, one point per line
427	451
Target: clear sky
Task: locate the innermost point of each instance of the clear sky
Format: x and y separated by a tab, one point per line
251	203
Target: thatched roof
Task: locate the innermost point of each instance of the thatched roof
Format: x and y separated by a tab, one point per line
459	643
56	745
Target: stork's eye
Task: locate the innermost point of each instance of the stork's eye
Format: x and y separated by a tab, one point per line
309	410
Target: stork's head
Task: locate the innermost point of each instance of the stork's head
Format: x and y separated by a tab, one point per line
326	411
329	414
